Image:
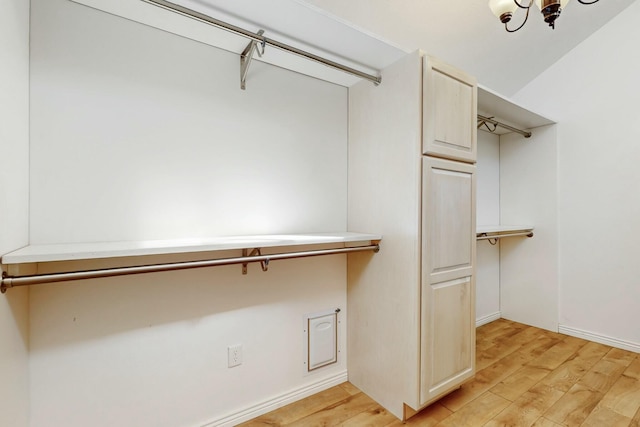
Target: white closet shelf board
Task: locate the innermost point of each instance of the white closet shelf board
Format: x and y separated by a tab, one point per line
491	104
88	251
491	232
294	23
486	229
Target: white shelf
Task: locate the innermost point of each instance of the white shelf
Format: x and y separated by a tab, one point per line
37	264
502	228
486	232
85	251
492	104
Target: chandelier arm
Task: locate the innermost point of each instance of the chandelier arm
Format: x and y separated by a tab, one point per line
588	2
521	25
527	7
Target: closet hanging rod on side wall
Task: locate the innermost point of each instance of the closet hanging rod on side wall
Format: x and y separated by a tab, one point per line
482	120
491	236
260	38
13	281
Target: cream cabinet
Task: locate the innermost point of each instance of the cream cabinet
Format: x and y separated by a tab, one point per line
410	309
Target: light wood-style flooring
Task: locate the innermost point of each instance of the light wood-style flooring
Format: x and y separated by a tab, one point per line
525	377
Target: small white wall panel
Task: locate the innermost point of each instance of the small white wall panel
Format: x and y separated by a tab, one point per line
322	341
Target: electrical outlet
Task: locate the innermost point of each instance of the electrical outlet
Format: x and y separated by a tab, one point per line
234	353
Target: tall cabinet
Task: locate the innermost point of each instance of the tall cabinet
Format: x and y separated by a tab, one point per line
412	149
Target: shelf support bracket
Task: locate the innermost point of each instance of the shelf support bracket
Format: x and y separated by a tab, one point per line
247	55
254	252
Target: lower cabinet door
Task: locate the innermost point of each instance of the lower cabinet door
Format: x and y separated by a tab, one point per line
447	336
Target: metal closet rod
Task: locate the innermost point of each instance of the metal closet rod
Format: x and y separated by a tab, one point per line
10	282
260	38
524	133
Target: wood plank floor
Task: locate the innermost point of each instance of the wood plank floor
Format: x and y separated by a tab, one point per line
525	377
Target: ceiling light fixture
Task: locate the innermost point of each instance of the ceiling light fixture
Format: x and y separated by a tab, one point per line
504	10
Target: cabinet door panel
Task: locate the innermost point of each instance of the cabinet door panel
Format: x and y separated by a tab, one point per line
448	222
447	337
449	112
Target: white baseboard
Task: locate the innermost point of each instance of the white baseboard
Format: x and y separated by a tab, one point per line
613	342
488	319
278	401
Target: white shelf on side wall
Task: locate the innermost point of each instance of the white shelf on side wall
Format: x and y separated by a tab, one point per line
37	264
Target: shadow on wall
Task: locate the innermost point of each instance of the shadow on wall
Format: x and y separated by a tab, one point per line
72	312
18	303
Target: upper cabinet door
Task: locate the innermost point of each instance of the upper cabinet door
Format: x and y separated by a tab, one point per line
449	112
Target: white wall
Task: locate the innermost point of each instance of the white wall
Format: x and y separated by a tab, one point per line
14	207
152	132
593	93
488	213
141	134
528	196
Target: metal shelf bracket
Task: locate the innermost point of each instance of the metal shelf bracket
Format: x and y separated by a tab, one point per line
247	55
264	263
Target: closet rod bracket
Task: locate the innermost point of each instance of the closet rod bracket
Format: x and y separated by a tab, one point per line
247	55
5	283
264	263
485	121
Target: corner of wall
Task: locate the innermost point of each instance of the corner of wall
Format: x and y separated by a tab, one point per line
14	205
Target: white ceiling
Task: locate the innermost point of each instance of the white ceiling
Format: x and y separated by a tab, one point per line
462	32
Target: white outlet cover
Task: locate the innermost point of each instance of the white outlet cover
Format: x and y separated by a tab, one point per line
234	355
